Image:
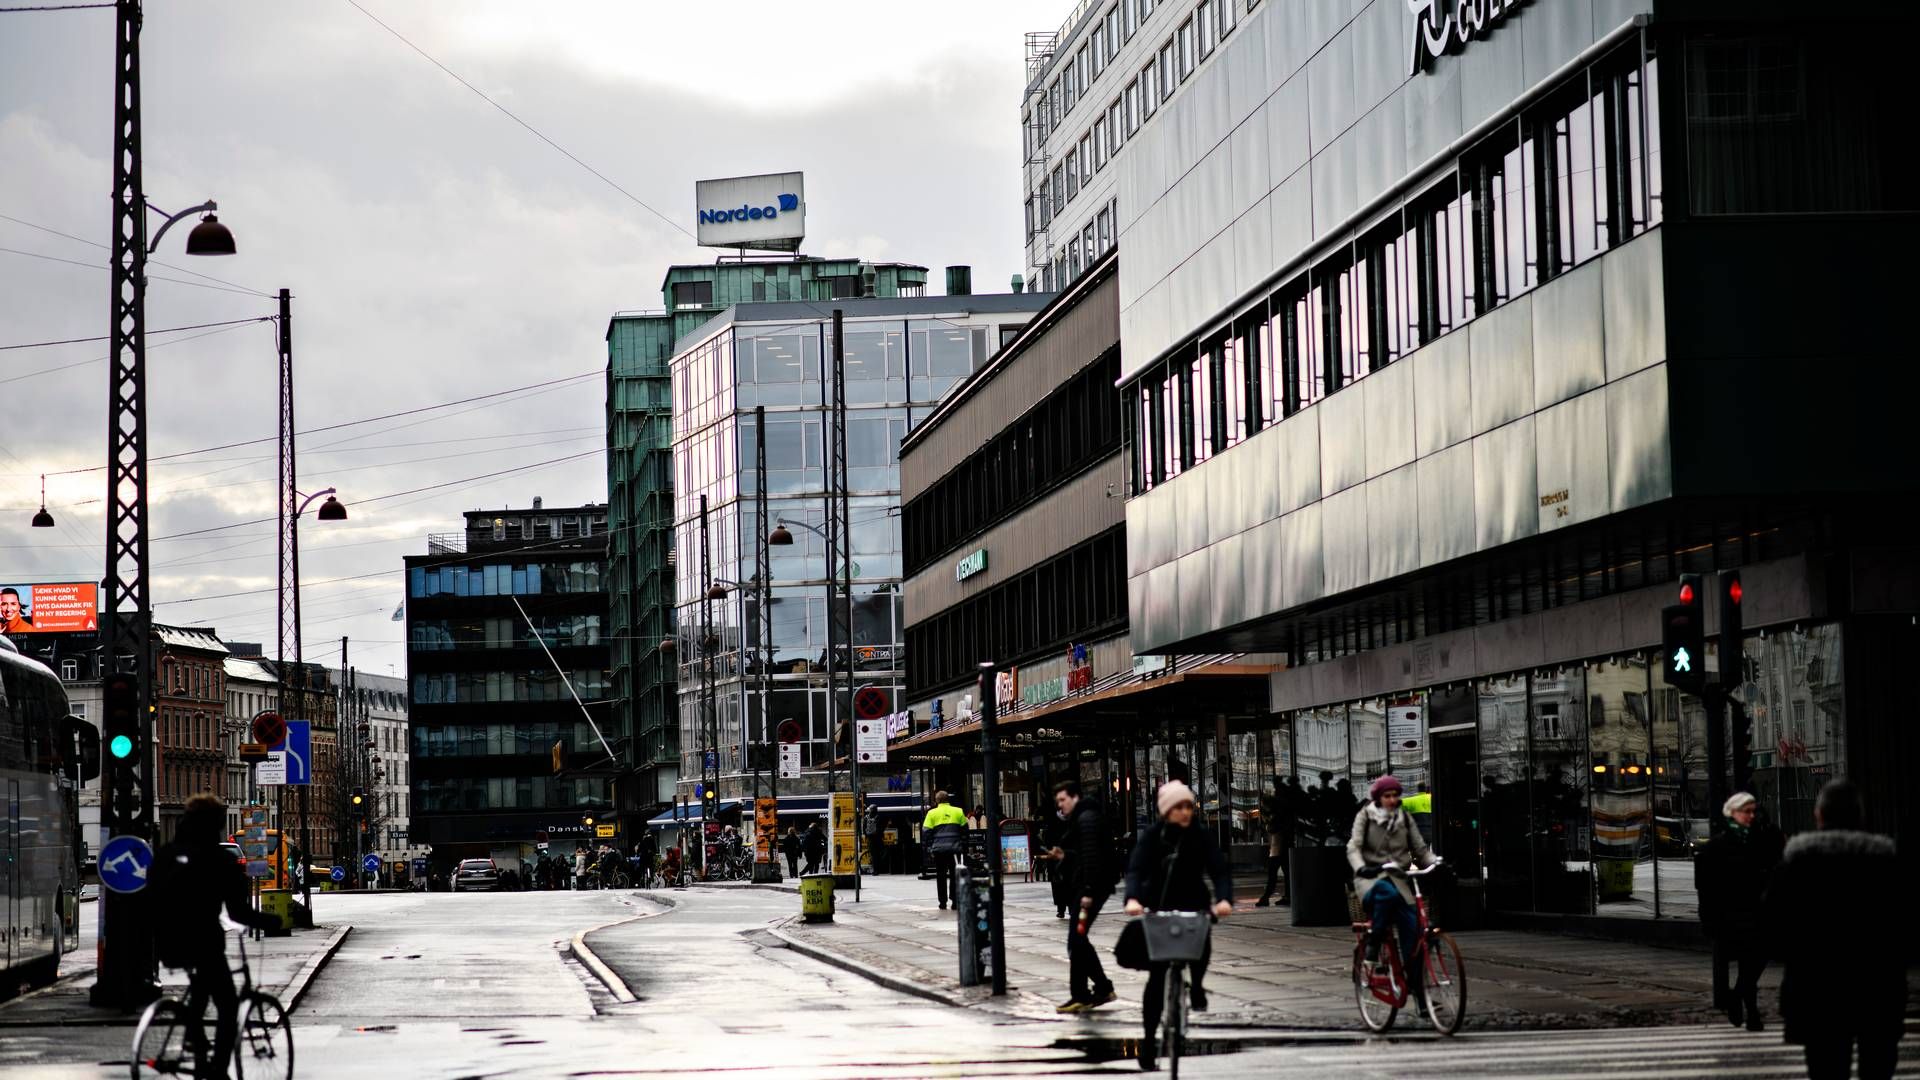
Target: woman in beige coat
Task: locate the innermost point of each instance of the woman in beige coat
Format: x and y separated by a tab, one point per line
1385	840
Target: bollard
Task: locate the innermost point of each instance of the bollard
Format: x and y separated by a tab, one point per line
816	897
972	900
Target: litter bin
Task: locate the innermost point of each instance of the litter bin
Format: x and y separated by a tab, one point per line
278	903
816	897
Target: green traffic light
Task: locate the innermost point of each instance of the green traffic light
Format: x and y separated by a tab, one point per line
120	746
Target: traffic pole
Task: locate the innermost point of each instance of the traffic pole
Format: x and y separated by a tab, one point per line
990	785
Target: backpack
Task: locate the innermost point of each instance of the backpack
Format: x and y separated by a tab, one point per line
168	903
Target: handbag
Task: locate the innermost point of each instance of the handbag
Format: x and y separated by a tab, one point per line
1130	950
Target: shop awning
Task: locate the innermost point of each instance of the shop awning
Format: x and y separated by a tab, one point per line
689	814
931	745
891	802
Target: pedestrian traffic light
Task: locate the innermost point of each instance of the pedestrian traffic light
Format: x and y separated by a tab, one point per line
1733	668
120	697
1683	636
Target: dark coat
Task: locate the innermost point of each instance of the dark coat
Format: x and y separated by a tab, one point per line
1733	873
790	845
190	885
1178	869
1820	912
1089	863
815	844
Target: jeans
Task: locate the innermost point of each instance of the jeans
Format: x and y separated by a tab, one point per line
1274	862
1086	977
212	981
793	865
1388	909
1832	1059
1744	956
1155	1000
943	875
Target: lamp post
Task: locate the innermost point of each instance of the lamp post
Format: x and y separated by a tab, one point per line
126	971
296	504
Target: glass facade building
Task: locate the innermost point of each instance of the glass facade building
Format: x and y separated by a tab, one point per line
902	356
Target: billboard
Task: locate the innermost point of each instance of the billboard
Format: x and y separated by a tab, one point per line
766	212
71	606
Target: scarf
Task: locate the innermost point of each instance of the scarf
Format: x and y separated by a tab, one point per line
1386	819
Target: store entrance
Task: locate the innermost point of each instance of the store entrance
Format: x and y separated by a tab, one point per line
1456	799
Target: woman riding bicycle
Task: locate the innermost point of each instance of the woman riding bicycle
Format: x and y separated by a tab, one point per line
1386	839
1176	866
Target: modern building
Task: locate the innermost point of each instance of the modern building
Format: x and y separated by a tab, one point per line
640	477
505	659
1014	524
1451	334
902	355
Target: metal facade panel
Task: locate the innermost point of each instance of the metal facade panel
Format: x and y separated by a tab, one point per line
1434	117
1343	440
1195	588
1569	353
1343	530
1159	519
1501	347
1388	396
1222	478
1253	244
1299	474
1303	575
1264	562
1393	524
1443	393
1380	145
1336	191
1331	106
1244	55
1552	34
1246	151
1292	216
1139	557
1287	145
1231	605
1260	475
1490	72
1572	469
1633	286
1445	482
1380	44
1161	622
1639	441
1504	494
1190	512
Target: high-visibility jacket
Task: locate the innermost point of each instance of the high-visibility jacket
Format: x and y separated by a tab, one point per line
1421	803
944	814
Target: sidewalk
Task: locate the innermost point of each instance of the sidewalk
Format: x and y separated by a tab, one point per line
1266	973
282	966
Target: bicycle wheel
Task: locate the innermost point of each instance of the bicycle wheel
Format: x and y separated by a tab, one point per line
160	1040
1376	1014
1176	1018
264	1049
1446	983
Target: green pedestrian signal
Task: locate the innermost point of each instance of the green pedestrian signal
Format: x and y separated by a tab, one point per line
120	746
1682	661
1683	637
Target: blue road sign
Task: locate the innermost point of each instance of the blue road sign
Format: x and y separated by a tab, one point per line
299	751
124	861
712	760
419	866
371	864
338	873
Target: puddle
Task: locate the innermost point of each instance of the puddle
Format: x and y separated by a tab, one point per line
1101	1048
366	1028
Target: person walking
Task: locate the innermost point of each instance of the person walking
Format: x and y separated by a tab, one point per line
1830	886
790	847
815	846
1733	873
943	832
1053	838
1176	866
1089	865
1386	840
1274	814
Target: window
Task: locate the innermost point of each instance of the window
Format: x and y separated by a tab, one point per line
1208	29
1104	225
1086	158
1149	90
1507	192
69	670
1046	203
1110	27
1131	99
1115	132
1031	225
1099	144
1083	70
1086	242
1392	316
1073	174
1444	226
1349	342
1054	111
1186	54
1230	390
1059	190
1098	46
1073	258
1130	18
1228	12
1167	76
1201	402
689	294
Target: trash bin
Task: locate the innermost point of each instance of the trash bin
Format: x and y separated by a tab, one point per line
279	904
816	897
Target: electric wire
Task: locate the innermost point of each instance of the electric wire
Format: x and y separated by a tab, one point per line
150	333
98	359
95	243
150	277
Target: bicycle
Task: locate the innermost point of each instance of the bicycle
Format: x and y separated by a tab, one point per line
1176	938
170	1041
1381	989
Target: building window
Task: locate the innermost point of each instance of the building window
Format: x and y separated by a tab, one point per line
1073	258
1086	242
69	670
1207	27
692	294
1103	223
1149	90
1186	55
1130	98
1116	133
1228	12
1130	18
1391	314
1200	401
1073	174
1053	106
1046	202
1099	143
1231	391
1059	190
1443	224
1083	70
1086	157
1031	225
1167	74
1110	28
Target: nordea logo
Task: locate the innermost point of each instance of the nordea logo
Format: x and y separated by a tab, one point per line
788	204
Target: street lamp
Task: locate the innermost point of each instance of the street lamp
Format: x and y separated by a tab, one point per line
43	520
296	504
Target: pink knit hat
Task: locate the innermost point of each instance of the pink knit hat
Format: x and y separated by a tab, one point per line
1173	793
1385	783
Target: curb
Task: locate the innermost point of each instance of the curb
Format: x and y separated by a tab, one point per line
297	988
872	974
608	977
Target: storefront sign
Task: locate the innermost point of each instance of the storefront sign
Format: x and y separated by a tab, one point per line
938	715
899	724
1444	26
1006	687
971	565
1079	670
1044	691
768	212
1144	666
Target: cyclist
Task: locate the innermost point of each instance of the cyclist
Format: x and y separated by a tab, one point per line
193	879
1176	866
1385	839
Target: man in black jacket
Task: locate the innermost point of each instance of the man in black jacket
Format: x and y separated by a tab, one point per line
1089	865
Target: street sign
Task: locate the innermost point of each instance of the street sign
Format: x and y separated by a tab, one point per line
790	731
712	759
273	770
259	868
268	728
870	703
338	874
870	741
371	864
606	832
789	761
419	867
124	862
299	752
253	751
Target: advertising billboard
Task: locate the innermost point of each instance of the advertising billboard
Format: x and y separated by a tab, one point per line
71	606
766	212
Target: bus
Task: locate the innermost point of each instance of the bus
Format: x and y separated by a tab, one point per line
45	754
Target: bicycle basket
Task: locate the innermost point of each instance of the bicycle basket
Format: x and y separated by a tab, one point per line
1176	936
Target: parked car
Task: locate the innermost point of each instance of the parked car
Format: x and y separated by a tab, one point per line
481	874
239	854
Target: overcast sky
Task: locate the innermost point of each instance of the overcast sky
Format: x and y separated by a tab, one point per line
437	250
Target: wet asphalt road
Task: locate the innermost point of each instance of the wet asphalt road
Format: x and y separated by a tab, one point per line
482	985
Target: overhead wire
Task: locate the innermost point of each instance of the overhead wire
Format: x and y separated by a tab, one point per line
97	359
154	261
150	277
109	337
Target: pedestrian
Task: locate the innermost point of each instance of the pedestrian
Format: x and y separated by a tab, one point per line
1053	838
670	867
1733	874
1823	908
580	867
1089	861
1385	841
1176	866
815	846
944	833
1271	811
790	847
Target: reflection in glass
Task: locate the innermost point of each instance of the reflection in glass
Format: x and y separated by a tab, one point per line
1504	795
1562	823
1368	732
1327	802
1793	694
1620	745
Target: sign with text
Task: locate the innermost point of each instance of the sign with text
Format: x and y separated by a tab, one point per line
789	761
870	741
767	212
971	565
61	607
1444	26
272	770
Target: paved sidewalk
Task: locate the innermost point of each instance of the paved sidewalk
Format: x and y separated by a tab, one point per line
282	966
1268	974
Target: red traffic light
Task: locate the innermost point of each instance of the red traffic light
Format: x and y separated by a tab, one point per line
1733	591
1686	593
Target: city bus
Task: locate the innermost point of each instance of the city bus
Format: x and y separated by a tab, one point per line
45	754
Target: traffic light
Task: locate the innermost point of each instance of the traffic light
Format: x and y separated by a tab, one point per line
1683	636
120	697
587	820
358	798
1733	668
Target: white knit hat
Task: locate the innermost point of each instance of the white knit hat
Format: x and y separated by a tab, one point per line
1736	801
1173	793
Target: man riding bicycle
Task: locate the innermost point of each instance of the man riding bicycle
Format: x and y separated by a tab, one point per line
1385	840
193	879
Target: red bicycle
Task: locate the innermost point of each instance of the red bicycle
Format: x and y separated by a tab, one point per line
1381	988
